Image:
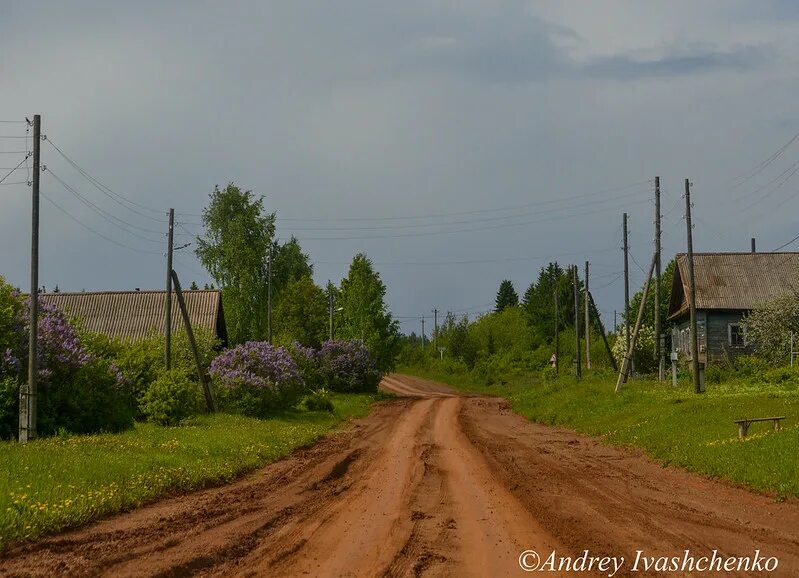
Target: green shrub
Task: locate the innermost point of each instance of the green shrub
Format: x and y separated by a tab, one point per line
549	374
319	400
750	365
171	398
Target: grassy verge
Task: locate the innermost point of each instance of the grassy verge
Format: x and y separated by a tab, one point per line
672	425
56	483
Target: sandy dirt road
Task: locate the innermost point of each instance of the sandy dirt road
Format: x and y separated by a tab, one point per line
430	484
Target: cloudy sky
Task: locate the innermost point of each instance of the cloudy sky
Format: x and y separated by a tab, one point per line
456	143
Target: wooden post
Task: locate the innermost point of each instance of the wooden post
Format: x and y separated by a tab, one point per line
659	353
209	397
557	329
625	366
626	249
602	331
577	368
692	294
27	393
168	310
587	323
330	306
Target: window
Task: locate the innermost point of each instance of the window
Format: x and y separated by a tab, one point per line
736	333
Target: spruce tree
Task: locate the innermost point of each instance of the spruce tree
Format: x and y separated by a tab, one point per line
506	296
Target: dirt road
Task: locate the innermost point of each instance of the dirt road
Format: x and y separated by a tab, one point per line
431	484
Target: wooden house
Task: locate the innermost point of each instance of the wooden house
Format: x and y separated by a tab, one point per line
728	286
134	315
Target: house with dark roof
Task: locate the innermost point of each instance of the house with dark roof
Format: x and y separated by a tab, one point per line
728	286
135	315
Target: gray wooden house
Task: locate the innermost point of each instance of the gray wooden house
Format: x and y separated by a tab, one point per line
728	286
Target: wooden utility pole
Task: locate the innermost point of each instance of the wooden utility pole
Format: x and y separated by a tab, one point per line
435	328
557	328
168	311
587	330
659	353
626	286
330	306
577	368
269	295
692	293
422	332
27	394
209	397
602	331
628	356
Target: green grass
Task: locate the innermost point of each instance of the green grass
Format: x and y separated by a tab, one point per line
672	425
52	484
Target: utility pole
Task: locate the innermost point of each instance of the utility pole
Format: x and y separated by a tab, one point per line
659	353
422	332
626	286
587	323
27	402
615	323
577	367
330	306
435	327
692	293
269	295
557	327
168	312
628	356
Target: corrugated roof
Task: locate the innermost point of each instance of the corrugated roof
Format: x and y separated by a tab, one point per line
734	281
134	315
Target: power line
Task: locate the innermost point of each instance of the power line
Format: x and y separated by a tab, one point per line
786	244
453	214
463	222
114	220
764	164
471	229
14	169
116	197
88	228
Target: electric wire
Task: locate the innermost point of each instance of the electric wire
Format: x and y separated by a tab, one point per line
114	220
88	228
14	169
116	197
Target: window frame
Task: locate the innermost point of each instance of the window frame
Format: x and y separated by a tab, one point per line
740	326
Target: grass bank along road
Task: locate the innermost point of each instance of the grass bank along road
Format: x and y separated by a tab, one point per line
432	483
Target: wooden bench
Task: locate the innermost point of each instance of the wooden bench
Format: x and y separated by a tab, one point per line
743	424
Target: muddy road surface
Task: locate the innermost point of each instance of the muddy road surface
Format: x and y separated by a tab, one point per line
434	484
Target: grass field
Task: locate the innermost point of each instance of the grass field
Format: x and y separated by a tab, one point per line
52	484
672	425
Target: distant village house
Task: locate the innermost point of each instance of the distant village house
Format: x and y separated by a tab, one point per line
728	286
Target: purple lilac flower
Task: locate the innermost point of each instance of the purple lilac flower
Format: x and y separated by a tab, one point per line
258	364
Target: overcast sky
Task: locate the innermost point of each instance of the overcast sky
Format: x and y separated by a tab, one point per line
521	130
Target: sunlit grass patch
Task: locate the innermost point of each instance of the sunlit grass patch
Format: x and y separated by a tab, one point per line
56	483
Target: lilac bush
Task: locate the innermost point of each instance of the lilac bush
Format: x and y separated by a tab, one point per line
77	390
256	378
347	366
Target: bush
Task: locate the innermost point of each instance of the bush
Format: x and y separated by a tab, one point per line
256	379
307	360
549	374
319	400
171	398
77	391
141	362
348	367
750	365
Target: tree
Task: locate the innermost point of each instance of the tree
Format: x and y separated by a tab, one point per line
289	264
506	296
301	314
364	313
194	286
665	295
769	326
237	239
